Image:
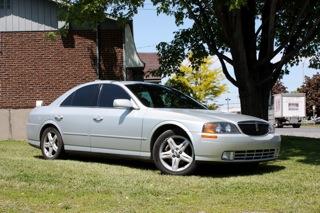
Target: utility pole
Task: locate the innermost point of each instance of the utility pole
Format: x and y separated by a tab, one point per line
228	99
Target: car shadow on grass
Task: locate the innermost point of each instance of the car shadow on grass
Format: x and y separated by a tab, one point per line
235	169
204	169
108	160
306	149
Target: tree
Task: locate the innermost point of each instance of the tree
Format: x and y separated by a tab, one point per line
93	12
279	88
311	87
247	34
203	84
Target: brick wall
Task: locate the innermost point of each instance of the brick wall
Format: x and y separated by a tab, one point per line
33	67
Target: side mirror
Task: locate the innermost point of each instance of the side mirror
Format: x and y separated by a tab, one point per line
123	103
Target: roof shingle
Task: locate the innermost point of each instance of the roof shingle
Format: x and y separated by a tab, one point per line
151	61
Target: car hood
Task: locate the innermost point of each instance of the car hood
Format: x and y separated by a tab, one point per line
210	115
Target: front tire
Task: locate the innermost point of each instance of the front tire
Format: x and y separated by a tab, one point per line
51	144
173	153
279	125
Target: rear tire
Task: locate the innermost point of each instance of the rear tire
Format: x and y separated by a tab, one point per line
296	125
173	153
279	125
51	144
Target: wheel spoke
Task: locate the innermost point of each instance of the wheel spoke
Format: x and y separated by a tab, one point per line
185	157
50	151
55	147
175	164
171	143
50	136
166	155
54	138
46	144
183	145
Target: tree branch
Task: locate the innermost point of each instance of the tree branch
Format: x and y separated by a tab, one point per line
258	30
226	72
291	35
260	27
268	23
224	20
288	55
276	52
226	58
211	43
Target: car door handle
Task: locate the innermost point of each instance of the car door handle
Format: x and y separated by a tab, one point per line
98	118
58	117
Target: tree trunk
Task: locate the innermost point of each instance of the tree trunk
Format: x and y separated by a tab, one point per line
254	100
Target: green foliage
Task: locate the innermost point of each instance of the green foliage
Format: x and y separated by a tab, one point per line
237	4
91	13
52	36
203	84
311	87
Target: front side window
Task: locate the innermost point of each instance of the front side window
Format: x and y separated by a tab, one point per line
157	96
86	96
109	93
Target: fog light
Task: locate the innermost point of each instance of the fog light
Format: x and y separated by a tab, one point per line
228	156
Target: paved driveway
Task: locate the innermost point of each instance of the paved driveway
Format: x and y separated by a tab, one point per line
311	132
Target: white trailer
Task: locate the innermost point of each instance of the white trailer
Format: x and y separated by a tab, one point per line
288	109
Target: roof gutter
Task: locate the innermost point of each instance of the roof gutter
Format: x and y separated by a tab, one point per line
98	51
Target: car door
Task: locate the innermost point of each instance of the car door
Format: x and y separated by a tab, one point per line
74	116
115	128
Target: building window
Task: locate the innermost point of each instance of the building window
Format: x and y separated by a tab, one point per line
5	4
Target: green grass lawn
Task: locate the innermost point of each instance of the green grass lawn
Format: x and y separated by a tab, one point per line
99	184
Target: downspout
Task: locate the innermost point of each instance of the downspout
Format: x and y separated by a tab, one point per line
125	77
98	51
1	44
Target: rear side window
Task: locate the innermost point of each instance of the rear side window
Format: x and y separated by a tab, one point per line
109	93
84	97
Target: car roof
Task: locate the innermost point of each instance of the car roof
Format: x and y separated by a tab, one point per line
122	82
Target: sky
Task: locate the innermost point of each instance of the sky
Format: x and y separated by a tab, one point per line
150	29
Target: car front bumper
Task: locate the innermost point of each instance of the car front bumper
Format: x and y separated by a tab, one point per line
239	147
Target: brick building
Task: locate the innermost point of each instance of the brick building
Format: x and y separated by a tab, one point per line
151	60
36	66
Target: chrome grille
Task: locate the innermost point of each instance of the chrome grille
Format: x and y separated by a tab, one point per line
254	154
254	128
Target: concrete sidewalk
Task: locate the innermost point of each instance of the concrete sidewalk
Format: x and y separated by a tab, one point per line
310	132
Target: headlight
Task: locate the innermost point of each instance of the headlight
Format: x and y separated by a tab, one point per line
219	128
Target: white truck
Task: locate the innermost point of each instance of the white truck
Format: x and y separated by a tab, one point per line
287	109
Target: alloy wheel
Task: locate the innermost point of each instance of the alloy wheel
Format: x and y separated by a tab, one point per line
50	144
176	153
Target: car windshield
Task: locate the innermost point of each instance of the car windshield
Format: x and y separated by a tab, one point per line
158	96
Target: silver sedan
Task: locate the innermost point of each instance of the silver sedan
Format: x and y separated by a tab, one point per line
148	121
